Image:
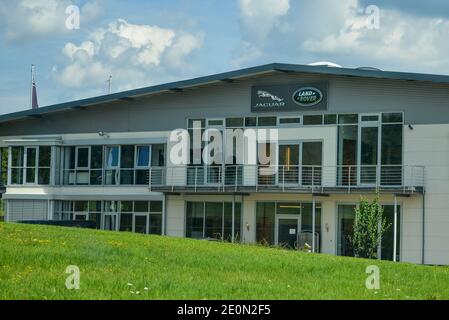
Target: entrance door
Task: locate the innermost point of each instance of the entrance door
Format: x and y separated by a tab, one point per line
369	149
140	223
346	216
288	229
289	164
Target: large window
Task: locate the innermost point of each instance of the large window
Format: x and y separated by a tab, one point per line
370	149
213	220
130	216
3	166
114	165
30	165
346	216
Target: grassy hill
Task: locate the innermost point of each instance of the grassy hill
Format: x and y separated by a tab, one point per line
33	260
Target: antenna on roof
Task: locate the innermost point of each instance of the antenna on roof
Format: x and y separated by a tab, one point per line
109	81
33	91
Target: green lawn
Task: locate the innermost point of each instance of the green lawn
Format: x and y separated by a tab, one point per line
33	260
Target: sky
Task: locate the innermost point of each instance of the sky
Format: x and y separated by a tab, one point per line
147	42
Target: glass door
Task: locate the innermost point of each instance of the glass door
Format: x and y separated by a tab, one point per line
287	231
369	147
289	164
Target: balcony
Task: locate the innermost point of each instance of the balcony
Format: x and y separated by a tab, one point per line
290	179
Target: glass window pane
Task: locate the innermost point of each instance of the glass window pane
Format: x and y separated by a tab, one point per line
250	122
370	118
313	120
195	220
81	206
156	206
155	224
44	156
83	158
267	121
94	206
265	222
126	222
388	238
140	223
96	156
214	220
17	156
392	118
143	156
126	206
306	218
214	123
158	155
16	175
201	121
392	144
348	118
330	119
312	153
112	154
289	208
140	206
30	175
44	176
127	157
127	177
238	221
31	157
290	121
234	122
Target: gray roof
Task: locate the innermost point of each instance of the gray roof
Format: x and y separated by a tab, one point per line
227	77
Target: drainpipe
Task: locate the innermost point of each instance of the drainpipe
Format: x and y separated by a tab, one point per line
164	215
423	226
313	223
395	226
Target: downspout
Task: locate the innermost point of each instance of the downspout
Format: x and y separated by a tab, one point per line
423	226
164	232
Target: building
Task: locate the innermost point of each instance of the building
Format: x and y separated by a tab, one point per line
342	133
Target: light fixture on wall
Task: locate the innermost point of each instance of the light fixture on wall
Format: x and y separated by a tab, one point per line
103	134
410	126
247	226
327	227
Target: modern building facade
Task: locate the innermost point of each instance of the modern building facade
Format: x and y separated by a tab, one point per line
342	134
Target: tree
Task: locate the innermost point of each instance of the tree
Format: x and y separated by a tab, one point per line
369	227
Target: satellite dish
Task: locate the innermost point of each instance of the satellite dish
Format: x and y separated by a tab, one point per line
325	64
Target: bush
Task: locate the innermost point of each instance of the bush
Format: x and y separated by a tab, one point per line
369	227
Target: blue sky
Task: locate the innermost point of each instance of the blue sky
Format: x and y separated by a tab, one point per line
143	43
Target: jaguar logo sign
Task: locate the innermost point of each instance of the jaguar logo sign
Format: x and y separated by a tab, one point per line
289	97
307	97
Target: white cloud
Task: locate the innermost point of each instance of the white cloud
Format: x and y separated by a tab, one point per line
130	52
24	19
260	16
336	31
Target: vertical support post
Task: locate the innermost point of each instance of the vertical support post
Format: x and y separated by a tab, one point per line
233	218
313	223
395	231
164	215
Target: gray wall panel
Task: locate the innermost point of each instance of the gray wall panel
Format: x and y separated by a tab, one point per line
422	103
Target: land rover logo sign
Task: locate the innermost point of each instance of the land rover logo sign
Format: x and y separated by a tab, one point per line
290	97
307	97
